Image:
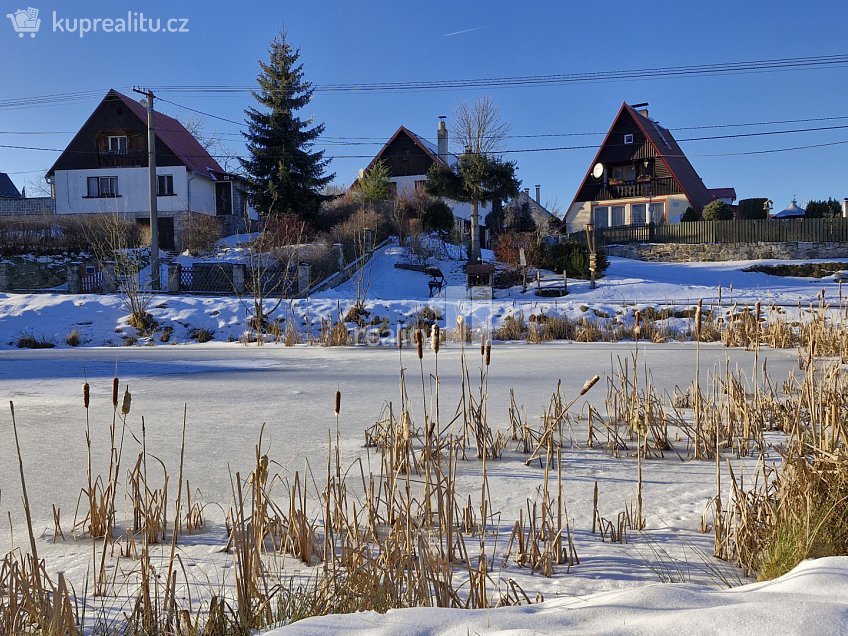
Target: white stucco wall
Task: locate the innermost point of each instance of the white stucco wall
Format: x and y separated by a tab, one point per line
71	187
202	192
580	212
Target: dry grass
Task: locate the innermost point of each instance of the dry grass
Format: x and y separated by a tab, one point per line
404	533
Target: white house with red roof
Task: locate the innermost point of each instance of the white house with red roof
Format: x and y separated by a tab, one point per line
104	170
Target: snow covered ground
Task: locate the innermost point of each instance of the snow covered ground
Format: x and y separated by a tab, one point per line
232	390
395	294
809	600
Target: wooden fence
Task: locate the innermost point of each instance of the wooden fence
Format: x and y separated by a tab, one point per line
755	231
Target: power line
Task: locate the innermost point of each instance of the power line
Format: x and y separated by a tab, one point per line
545	149
698	70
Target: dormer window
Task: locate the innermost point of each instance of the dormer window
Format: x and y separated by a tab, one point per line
628	138
118	145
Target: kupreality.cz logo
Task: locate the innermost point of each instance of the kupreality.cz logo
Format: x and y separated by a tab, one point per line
28	22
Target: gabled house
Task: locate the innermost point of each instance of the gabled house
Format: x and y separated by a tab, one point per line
408	156
543	218
104	169
639	175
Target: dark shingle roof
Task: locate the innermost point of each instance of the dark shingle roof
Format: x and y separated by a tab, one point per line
671	153
7	188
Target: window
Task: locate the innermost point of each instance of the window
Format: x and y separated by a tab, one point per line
616	215
656	212
601	216
102	187
628	138
118	145
624	173
638	214
165	183
393	188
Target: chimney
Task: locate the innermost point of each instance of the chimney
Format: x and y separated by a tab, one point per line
539	195
527	191
443	139
642	109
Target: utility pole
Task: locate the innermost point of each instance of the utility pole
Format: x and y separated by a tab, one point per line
155	282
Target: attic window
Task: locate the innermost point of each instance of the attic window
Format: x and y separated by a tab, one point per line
118	145
628	138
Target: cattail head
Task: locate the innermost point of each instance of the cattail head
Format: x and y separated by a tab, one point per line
488	354
435	338
589	384
115	392
482	346
637	323
757	309
86	394
127	403
419	342
338	408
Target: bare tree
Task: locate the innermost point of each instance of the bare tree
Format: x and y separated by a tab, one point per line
271	270
479	133
478	128
117	240
36	187
213	145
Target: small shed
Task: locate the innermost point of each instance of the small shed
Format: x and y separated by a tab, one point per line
479	279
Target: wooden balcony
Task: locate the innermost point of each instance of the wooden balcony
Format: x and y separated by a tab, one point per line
106	159
640	189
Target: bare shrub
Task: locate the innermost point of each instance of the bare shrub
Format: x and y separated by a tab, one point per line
200	231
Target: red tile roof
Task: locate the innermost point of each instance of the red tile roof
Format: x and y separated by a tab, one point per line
174	135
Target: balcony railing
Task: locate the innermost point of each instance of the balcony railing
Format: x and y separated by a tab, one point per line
646	188
106	159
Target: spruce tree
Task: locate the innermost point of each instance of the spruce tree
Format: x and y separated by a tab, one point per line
285	175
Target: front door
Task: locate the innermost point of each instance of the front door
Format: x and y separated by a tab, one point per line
166	231
223	197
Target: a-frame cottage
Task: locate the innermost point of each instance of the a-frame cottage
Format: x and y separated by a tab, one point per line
640	175
408	156
104	171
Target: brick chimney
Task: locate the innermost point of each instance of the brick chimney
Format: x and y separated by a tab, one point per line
539	194
442	134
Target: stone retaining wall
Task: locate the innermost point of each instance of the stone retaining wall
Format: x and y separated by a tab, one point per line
684	253
27	207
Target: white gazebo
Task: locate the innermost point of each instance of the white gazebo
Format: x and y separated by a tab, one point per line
792	211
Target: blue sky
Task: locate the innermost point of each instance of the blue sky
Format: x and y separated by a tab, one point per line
357	42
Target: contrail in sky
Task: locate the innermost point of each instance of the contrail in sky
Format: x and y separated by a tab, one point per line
447	35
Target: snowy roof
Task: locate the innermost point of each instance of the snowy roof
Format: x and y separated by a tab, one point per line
792	211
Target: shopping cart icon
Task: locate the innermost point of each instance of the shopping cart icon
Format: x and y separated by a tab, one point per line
25	21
